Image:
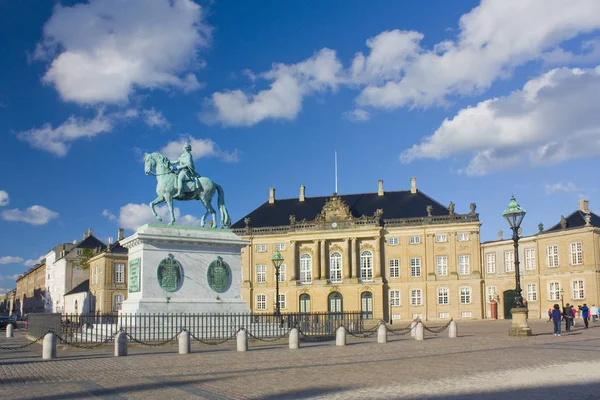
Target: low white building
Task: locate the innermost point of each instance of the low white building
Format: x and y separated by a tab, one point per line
79	300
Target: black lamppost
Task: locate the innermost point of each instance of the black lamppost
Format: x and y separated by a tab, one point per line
277	260
562	294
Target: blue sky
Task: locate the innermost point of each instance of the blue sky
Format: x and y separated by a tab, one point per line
478	100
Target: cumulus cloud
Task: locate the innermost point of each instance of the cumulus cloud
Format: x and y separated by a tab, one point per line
553	118
11	260
34	215
154	118
109	215
33	261
132	216
357	115
201	148
569	187
4	199
102	51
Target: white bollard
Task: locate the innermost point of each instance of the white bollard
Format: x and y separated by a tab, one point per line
242	340
419	331
120	344
294	338
185	347
9	331
340	336
452	330
413	324
49	346
382	333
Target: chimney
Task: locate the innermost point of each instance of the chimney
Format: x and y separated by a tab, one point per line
380	188
302	190
85	235
90	231
584	205
120	236
109	240
413	185
271	195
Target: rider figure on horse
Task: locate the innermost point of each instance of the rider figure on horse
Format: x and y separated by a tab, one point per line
185	170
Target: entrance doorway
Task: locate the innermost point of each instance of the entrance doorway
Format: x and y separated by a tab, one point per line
509	302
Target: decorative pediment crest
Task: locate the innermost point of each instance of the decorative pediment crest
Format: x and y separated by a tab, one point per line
306	249
334	247
335	209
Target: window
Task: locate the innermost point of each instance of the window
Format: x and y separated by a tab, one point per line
552	256
394	268
393	241
442	265
554	290
509	261
79	252
261	273
282	302
417	316
464	265
394	298
306	268
578	292
261	248
532	292
366	265
335	267
304	303
491	293
336	302
465	295
441	238
366	303
119	273
466	314
415	267
576	253
414	240
261	302
490	263
444	315
117	302
443	296
530	259
462	236
280	247
97	275
396	317
416	297
282	274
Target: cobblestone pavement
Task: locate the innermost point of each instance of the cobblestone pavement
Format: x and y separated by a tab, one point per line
483	363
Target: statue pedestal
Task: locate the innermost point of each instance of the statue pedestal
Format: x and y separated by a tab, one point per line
519	325
181	269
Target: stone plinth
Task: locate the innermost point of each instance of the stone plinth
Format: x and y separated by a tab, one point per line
519	325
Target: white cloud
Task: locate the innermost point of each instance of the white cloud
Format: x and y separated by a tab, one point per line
109	215
34	215
590	53
154	118
201	148
357	115
4	291
132	216
569	187
32	262
103	50
4	199
11	260
554	118
13	277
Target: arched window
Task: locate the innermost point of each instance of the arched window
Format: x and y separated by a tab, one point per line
304	303
366	265
366	305
306	268
335	302
335	267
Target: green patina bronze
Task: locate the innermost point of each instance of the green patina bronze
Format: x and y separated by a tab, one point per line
219	275
133	282
170	274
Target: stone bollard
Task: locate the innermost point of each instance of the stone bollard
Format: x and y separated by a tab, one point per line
185	346
49	346
419	331
294	338
120	344
340	336
382	333
413	324
9	330
452	330
242	340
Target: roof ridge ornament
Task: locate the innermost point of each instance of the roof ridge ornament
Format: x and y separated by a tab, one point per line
334	209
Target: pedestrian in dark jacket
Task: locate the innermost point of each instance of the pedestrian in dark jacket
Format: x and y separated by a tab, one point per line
568	315
585	314
556	317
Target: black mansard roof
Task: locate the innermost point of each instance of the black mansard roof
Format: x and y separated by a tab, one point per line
576	220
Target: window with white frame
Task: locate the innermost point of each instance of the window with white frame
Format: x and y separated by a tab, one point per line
441	238
335	267
393	241
442	265
305	268
394	298
552	252
465	295
443	296
282	302
415	267
576	253
117	302
394	266
530	258
578	292
414	240
443	315
366	265
462	236
280	247
282	273
416	297
466	314
509	261
554	290
491	293
532	292
490	263
261	248
464	265
261	302
119	273
261	273
396	317
97	275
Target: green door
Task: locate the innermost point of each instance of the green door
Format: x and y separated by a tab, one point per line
509	302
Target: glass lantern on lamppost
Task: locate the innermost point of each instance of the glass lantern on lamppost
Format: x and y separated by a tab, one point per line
277	260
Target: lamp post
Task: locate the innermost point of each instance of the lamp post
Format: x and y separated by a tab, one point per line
277	260
514	214
562	294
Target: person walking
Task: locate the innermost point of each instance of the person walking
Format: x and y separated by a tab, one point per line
594	312
585	314
574	310
556	317
568	315
550	314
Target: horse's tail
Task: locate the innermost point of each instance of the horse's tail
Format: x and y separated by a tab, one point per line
225	221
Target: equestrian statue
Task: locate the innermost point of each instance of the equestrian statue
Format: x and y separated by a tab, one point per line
183	184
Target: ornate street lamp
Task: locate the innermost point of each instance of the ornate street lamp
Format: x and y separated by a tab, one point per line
514	214
562	295
277	260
